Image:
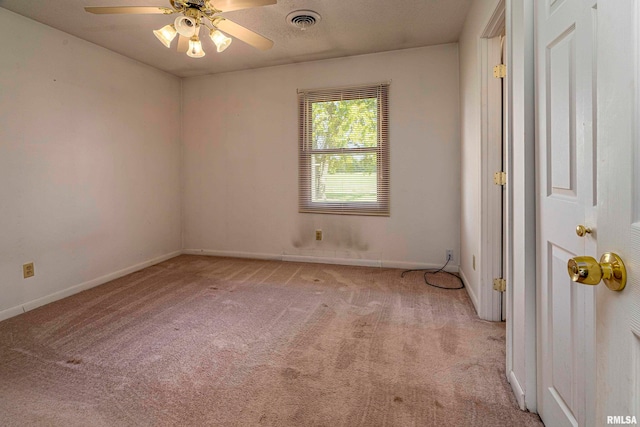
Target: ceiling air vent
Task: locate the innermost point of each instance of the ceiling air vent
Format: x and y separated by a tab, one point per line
303	19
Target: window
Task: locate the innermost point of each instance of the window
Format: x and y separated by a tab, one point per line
344	150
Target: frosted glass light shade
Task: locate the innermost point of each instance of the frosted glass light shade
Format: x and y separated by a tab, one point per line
166	34
185	26
195	48
222	42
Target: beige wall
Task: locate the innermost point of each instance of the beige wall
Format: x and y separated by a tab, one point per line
240	139
89	164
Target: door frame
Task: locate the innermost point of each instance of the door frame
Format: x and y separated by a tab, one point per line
517	17
491	162
521	214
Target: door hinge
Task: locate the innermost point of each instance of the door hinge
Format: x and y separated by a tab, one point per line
500	71
499	285
500	178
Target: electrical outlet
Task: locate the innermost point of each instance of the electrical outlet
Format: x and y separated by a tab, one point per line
474	262
450	255
27	270
318	234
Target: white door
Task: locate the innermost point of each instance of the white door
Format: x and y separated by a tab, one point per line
566	197
618	313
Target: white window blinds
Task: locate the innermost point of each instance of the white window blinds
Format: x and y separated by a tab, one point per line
344	150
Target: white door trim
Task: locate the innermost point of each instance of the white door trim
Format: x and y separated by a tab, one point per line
520	220
491	161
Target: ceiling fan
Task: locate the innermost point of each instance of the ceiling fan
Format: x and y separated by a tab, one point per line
193	15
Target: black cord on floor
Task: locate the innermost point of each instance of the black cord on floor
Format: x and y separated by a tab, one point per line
428	271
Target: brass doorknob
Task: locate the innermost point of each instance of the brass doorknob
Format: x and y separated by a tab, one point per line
581	230
610	269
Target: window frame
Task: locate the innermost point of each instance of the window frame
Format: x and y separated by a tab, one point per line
306	99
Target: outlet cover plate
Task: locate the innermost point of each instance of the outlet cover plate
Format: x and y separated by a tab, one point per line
450	255
27	270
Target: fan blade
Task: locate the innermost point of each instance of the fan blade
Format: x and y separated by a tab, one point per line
130	9
230	5
244	34
183	44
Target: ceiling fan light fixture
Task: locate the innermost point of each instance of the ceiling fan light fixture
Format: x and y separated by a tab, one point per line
185	26
193	14
221	41
195	48
166	34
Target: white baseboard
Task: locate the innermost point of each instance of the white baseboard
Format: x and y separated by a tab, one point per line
517	390
321	259
402	265
11	312
470	291
30	305
233	254
332	260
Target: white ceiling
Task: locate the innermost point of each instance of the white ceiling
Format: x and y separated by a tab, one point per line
348	27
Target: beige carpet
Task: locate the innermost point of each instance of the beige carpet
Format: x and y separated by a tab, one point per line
230	342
